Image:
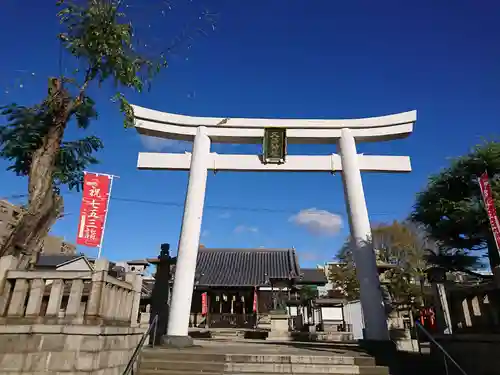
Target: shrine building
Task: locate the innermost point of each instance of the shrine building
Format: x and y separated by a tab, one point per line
234	288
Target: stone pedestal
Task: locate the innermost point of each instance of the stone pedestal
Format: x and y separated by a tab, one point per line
178	342
279	327
145	319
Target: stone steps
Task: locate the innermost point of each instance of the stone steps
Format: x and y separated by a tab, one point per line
227	335
166	355
268	368
187	362
361	371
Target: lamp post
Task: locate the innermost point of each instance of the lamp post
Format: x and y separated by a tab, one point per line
160	294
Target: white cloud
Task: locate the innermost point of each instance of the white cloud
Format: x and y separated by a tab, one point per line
318	222
308	256
245	229
160	144
205	233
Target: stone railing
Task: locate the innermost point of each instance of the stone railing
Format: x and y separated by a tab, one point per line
70	296
474	314
474	309
74	322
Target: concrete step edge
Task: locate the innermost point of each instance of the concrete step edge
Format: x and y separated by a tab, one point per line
173	371
263	359
147	372
177	372
225	364
192	366
168	353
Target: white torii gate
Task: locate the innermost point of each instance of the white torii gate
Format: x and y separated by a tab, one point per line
203	131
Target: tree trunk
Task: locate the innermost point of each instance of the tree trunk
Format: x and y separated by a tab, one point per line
44	225
44	205
421	280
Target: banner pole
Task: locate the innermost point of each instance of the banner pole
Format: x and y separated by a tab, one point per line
111	177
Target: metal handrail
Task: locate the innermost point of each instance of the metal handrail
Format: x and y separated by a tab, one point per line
152	327
443	350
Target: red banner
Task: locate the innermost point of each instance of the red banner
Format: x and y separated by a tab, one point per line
489	203
254	307
204	304
93	210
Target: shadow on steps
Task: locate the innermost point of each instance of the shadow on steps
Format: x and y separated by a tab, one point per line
386	354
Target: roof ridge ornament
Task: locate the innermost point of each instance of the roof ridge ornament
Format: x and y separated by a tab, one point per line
223	121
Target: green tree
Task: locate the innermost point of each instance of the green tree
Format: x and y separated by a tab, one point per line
308	293
100	38
400	249
342	274
406	248
452	211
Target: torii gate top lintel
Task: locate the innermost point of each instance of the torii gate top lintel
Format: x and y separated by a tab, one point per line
155	123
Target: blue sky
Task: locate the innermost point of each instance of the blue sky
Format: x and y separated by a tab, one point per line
276	58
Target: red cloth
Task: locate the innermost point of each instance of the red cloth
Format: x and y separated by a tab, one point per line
254	300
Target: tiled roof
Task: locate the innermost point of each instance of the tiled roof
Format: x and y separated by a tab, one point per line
54	260
312	276
142	262
245	267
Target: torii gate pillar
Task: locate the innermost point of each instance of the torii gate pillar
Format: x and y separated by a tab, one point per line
363	252
189	242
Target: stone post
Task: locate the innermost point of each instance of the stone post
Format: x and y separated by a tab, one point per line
136	281
7	263
145	317
101	268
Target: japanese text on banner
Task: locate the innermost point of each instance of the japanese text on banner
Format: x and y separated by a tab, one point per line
204	304
93	210
489	204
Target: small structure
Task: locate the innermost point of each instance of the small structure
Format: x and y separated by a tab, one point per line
64	263
331	313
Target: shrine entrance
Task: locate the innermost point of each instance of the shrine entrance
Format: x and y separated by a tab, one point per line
275	134
231	309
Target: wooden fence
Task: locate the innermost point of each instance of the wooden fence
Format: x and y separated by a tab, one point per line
68	296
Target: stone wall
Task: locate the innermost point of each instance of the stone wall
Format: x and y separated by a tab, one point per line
67	322
476	353
72	349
